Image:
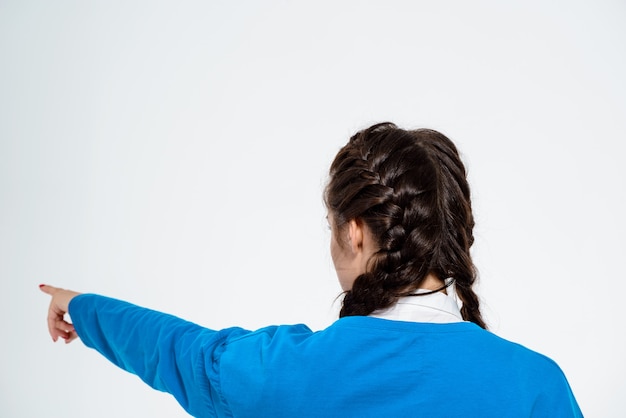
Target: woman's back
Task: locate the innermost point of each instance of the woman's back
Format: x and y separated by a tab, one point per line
371	367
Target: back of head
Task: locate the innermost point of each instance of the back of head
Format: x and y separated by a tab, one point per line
410	189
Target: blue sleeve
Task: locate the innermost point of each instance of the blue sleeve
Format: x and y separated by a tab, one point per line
552	395
558	400
166	352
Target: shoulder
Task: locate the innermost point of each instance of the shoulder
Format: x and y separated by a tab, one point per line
239	345
287	332
521	353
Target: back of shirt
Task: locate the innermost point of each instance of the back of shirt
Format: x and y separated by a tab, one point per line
370	367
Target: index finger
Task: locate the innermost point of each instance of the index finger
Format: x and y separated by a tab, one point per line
50	290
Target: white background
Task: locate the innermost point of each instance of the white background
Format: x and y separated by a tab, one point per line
174	153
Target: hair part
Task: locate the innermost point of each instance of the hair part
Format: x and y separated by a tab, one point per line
410	189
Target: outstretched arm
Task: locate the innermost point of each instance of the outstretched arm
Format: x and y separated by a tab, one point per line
168	353
57	325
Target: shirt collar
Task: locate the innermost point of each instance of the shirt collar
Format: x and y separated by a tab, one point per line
435	308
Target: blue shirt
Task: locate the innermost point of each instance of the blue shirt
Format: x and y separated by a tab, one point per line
359	366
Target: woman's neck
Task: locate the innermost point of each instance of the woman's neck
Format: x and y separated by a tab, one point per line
432	282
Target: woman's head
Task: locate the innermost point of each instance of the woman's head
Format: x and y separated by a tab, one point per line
407	192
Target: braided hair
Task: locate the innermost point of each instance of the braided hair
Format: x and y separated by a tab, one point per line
410	189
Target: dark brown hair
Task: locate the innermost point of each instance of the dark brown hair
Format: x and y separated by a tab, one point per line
410	189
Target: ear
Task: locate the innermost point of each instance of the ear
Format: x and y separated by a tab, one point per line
355	236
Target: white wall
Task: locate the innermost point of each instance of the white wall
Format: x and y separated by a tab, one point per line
173	154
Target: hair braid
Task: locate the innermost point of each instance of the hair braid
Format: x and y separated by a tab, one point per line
410	189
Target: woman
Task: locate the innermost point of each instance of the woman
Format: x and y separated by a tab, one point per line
400	215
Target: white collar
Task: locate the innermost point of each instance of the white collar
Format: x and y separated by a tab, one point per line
436	308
